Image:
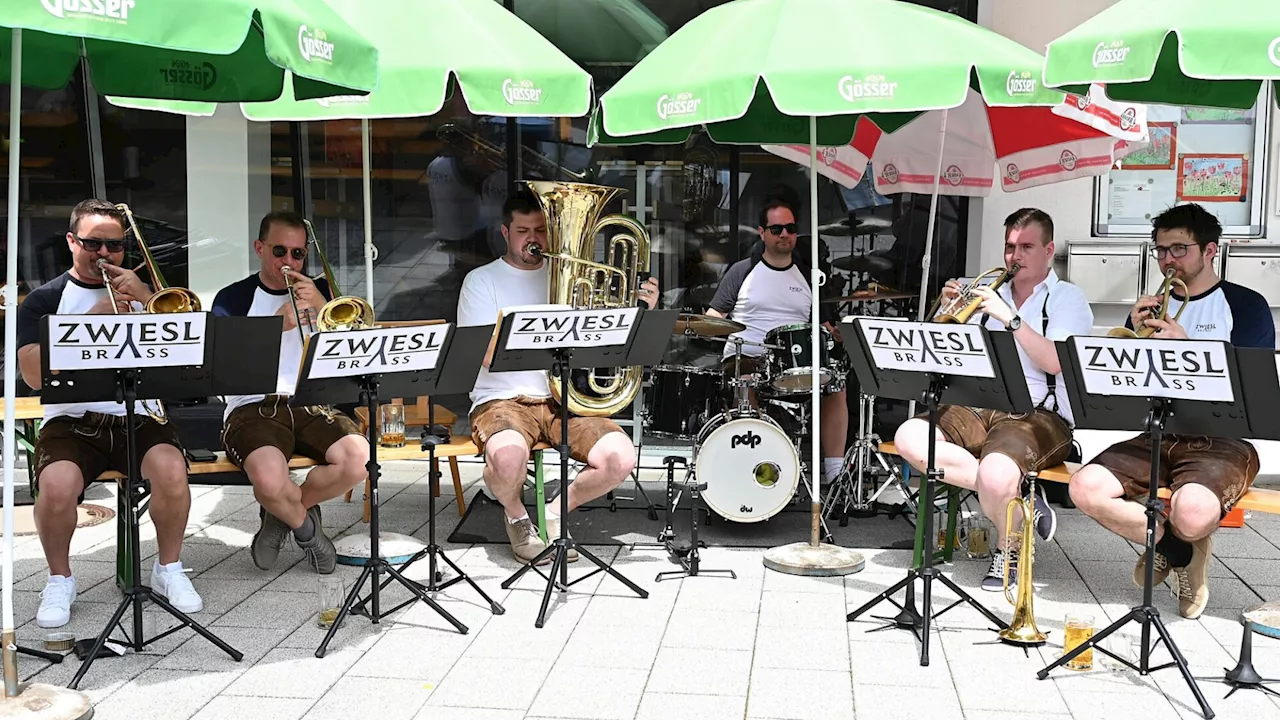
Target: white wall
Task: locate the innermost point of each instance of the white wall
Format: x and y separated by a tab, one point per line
228	192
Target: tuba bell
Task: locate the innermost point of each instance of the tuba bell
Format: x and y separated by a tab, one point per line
1159	312
343	312
960	308
1022	628
580	281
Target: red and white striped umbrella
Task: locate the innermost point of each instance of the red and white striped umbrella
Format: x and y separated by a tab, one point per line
1027	146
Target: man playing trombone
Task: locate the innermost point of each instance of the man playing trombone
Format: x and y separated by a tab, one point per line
79	441
989	451
261	433
1207	475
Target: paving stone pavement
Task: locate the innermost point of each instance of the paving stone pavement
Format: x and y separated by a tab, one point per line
763	645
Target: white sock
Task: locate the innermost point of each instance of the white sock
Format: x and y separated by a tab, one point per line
170	568
513	521
831	468
553	509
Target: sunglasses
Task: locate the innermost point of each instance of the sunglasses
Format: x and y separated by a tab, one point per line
93	246
297	253
792	228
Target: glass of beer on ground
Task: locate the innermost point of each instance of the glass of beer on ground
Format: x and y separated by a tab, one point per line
392	434
330	594
1078	629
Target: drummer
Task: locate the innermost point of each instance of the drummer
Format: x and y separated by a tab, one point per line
768	290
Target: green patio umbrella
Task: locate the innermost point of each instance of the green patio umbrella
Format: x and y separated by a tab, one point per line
1175	52
501	65
595	31
764	72
219	50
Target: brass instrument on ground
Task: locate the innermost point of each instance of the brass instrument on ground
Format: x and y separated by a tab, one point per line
577	279
1022	628
343	312
1159	312
472	142
962	307
165	299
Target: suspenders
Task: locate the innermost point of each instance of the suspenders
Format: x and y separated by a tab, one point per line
1050	379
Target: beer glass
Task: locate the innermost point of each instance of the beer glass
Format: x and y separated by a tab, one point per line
392	427
330	594
1078	629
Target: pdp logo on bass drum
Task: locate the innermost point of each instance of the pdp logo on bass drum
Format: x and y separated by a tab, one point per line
749	439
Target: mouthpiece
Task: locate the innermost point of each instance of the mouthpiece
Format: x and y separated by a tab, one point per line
535	251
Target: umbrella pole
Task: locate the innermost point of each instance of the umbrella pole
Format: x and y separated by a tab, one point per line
814	558
366	178
31	701
928	240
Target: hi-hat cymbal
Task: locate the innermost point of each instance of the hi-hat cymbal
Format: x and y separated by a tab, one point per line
707	325
863	263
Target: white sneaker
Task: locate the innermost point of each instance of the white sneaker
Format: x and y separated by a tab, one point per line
171	583
55	604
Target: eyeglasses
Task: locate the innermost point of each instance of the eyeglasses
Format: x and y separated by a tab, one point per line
1177	251
93	245
778	229
280	251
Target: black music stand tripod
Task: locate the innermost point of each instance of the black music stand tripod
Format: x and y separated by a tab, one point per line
462	359
235	337
320	387
646	344
1245	417
1006	391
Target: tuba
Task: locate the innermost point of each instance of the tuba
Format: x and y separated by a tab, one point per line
1160	312
960	308
578	280
343	312
1022	628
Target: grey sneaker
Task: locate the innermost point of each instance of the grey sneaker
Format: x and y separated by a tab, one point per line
994	581
322	556
1046	518
268	541
553	532
525	542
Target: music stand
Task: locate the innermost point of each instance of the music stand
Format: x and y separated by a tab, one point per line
1005	389
115	375
348	366
650	333
1151	404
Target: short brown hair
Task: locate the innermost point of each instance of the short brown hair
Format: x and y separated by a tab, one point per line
94	206
284	217
1019	219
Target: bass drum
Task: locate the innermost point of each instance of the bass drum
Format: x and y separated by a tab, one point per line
750	467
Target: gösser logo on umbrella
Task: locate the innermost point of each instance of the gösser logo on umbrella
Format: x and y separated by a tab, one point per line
114	9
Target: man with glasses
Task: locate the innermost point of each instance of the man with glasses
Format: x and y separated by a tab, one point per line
1207	475
766	291
79	441
261	433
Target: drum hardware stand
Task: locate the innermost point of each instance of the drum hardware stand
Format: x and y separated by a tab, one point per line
686	555
848	489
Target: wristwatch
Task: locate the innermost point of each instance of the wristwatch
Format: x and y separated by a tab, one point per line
1015	323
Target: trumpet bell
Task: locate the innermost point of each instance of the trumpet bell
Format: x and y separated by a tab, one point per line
173	300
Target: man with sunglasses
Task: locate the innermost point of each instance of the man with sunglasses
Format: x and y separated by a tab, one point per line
261	433
79	441
771	289
1207	475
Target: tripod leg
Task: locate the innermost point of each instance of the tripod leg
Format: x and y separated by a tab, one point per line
1134	614
1182	665
344	610
413	588
202	630
613	573
54	658
493	605
527	567
887	594
102	640
551	583
926	616
969	599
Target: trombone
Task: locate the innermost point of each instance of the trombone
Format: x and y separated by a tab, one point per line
343	312
1159	312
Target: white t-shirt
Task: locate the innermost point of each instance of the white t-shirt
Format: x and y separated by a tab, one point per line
65	295
250	298
485	292
762	297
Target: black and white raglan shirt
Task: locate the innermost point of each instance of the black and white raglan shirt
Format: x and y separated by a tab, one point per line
1226	311
250	298
65	295
763	297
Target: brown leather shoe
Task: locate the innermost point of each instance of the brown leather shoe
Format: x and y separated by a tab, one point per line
1193	580
525	543
1140	570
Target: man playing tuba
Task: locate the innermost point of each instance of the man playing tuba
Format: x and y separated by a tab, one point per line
513	411
990	451
1207	475
261	433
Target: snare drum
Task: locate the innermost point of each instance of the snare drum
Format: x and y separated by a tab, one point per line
683	398
791	361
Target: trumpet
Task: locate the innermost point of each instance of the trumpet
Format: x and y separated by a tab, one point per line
1160	312
1022	628
343	312
962	307
457	137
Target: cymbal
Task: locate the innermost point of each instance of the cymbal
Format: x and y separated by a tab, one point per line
707	325
863	263
872	296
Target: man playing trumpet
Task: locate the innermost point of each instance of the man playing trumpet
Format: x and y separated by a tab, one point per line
1207	475
261	433
990	451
